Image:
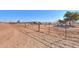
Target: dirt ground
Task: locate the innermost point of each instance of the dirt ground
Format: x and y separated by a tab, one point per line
19	36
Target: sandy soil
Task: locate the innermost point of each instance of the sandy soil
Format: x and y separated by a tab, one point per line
19	36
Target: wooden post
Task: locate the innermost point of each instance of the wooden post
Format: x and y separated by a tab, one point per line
50	45
49	28
38	26
25	25
65	31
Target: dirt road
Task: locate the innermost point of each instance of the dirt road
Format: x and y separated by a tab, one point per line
17	36
10	37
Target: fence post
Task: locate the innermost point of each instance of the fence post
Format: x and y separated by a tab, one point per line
38	26
25	25
65	31
49	28
50	45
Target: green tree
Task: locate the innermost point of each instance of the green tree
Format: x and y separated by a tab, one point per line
71	17
60	22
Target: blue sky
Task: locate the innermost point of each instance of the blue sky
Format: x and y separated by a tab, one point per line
32	15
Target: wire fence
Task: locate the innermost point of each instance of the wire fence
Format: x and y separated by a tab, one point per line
56	35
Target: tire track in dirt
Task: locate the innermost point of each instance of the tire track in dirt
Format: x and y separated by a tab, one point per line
43	40
33	37
66	44
19	39
5	38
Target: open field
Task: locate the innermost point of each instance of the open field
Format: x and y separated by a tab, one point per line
19	36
